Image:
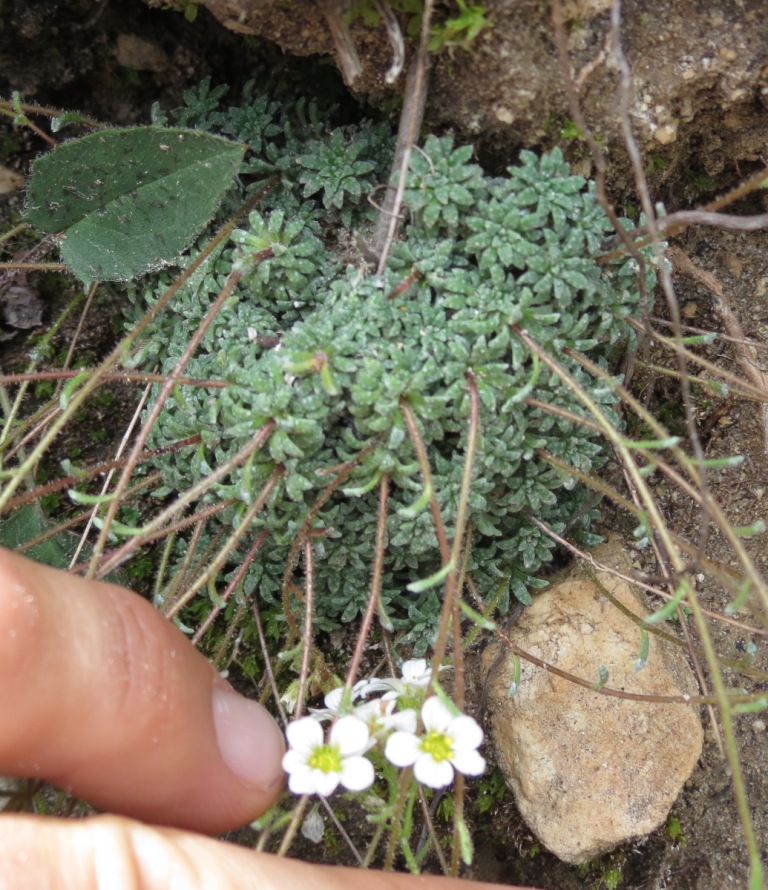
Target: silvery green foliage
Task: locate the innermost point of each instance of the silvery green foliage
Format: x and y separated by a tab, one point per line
481	253
200	106
333	169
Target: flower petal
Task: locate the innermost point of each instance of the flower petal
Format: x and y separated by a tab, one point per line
470	763
357	773
350	734
373	710
435	715
466	733
402	748
373	685
304	734
404	721
360	689
293	759
324	783
301	780
415	671
333	699
433	773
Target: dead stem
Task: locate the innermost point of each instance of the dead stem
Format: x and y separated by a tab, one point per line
637	581
156	410
571	89
665	545
309	617
683	219
265	654
430	829
124	551
458	818
343	471
695	469
397	817
290	834
111	377
415	96
664	274
94	378
231	587
120	449
396	41
746	353
76	336
346	51
452	591
620	693
374	598
743	388
90	473
426	475
218	562
165	598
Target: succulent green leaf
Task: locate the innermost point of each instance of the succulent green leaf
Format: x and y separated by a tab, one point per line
433	580
130	201
314	342
751	707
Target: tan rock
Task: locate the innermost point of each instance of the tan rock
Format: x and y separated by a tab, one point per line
140	55
591	771
665	134
10	181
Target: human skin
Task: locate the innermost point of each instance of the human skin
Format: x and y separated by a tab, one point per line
103	696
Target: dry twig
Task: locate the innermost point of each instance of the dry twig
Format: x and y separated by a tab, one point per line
407	135
746	353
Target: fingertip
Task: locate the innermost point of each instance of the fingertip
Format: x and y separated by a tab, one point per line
250	741
104	697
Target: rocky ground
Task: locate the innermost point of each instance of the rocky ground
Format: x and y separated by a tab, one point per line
698	111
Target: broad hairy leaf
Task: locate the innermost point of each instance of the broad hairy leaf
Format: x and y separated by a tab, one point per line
28	523
129	201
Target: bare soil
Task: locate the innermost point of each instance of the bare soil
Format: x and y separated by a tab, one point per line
711	855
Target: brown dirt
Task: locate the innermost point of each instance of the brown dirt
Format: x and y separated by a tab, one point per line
720	135
712	854
697	98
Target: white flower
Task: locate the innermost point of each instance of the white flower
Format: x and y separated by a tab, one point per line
416	676
448	743
315	766
380	717
333	700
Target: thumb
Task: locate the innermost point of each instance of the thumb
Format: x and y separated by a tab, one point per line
105	697
110	853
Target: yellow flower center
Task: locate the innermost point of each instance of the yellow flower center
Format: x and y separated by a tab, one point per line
326	758
438	744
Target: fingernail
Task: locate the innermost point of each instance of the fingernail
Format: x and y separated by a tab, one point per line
250	742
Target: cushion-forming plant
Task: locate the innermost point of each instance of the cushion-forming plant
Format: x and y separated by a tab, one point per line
315	342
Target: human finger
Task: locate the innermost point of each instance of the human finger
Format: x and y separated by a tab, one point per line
104	697
112	853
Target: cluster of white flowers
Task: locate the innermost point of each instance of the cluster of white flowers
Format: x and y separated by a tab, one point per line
446	741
